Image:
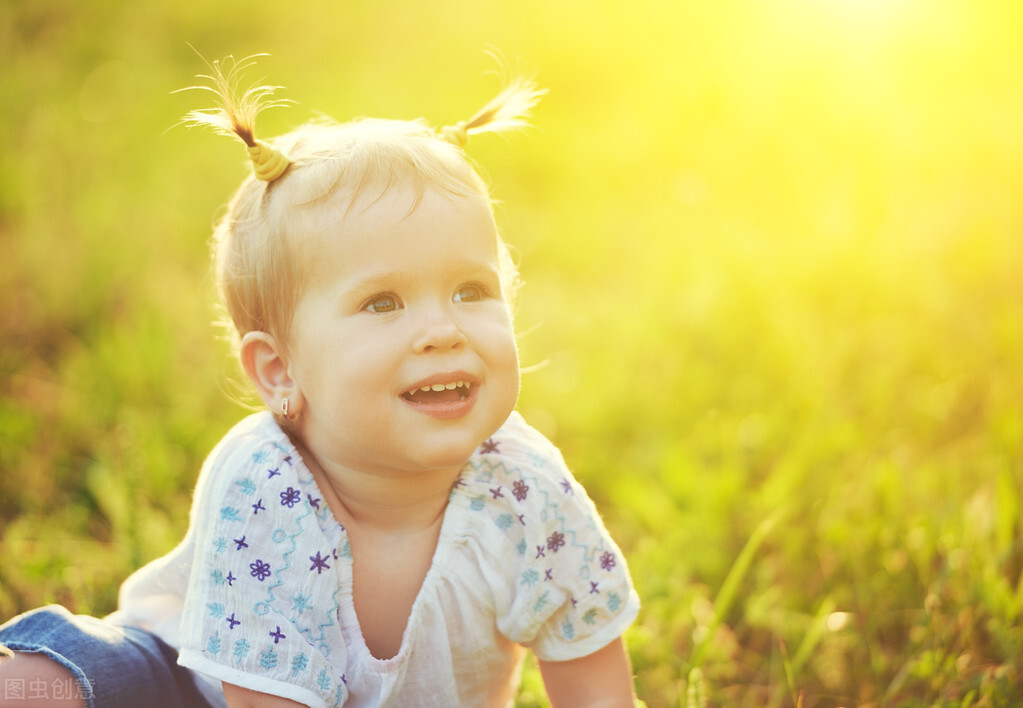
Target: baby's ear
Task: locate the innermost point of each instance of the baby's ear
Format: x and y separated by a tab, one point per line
266	366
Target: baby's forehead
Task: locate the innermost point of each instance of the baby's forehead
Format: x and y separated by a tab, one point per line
387	205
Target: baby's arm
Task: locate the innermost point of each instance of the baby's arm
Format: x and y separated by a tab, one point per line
238	697
601	679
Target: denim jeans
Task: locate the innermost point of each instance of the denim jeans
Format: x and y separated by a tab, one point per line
113	666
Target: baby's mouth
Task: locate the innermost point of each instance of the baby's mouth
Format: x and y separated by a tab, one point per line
439	393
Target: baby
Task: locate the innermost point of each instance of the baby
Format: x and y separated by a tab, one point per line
389	531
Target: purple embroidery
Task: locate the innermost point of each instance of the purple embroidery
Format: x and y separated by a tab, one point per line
607	561
241	543
489	446
291	497
273	473
520	489
549	574
232	621
593	588
230	579
497	493
522	519
555	541
258	507
288	460
319	563
278	635
314	503
260	570
539	552
567	486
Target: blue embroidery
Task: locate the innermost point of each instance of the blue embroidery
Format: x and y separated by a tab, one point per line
567	630
229	513
268	658
298	664
300	603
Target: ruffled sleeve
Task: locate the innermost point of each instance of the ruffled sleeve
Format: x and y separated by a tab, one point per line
262	604
561	586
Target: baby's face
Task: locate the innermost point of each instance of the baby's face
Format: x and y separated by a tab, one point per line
402	344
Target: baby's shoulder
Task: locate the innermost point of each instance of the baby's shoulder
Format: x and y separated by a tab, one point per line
252	443
517	484
255	465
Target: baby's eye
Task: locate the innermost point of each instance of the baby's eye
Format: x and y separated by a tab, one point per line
469	293
382	304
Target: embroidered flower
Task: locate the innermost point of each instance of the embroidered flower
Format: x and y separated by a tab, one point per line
555	541
607	561
260	570
291	497
520	489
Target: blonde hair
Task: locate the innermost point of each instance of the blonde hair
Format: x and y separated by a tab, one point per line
255	247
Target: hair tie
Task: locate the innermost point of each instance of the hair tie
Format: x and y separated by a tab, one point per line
457	134
267	163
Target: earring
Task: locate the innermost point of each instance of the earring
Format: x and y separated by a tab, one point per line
284	408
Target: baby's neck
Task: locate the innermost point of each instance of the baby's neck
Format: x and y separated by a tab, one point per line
380	502
393	524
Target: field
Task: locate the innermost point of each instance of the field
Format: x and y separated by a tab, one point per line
773	265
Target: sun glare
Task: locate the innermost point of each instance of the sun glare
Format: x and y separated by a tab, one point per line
858	17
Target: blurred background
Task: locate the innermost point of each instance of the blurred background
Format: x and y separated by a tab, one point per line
772	253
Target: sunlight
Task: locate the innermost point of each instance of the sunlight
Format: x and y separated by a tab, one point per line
867	12
858	18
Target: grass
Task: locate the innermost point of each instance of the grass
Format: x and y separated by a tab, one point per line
772	258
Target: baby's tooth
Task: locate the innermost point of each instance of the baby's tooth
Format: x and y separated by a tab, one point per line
438	387
451	386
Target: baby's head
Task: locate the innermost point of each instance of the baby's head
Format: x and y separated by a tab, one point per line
333	209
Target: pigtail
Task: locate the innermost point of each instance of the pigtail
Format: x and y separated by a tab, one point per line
506	111
236	111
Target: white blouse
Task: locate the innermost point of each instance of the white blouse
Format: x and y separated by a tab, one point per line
259	592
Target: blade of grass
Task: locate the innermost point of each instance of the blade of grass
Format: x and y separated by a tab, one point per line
729	588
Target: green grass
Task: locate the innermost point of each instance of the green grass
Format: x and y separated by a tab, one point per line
772	258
